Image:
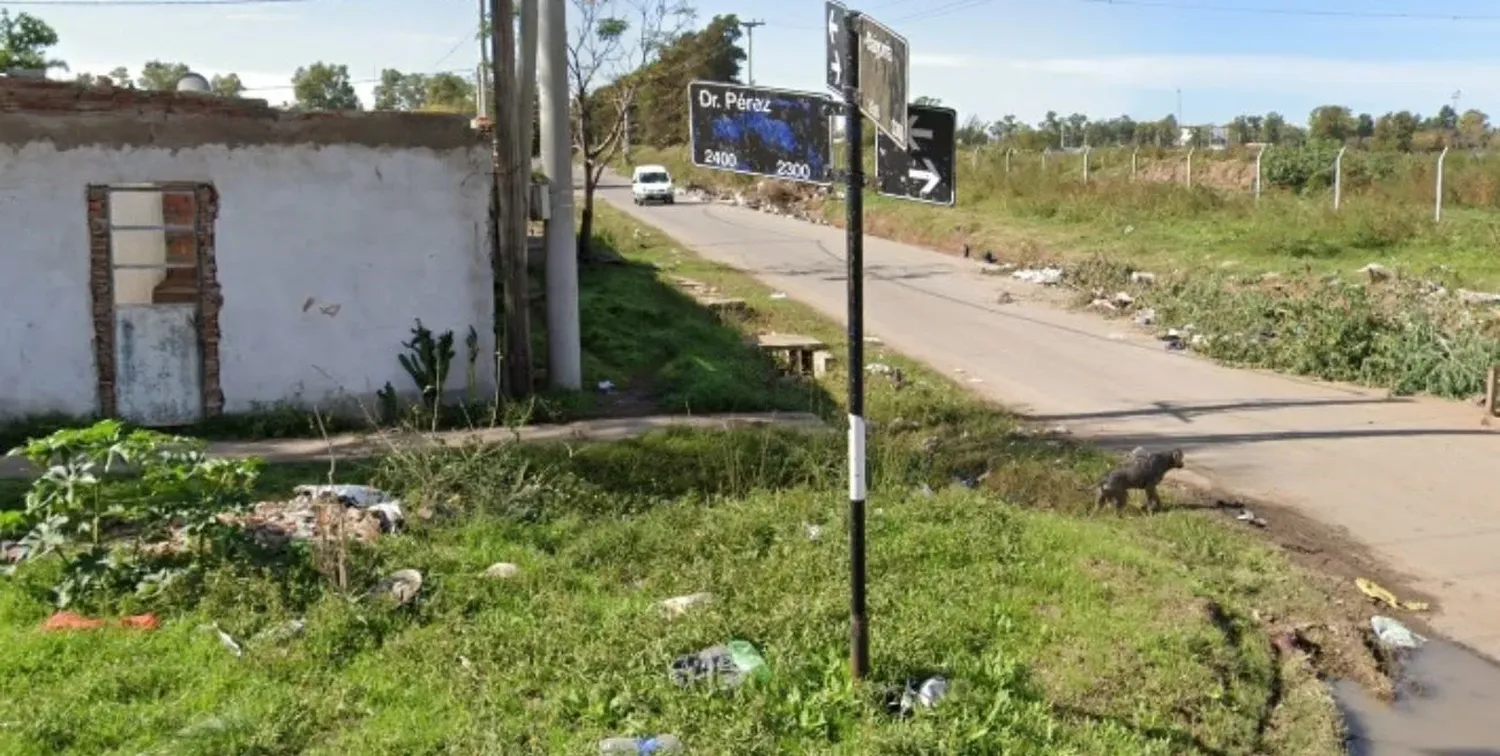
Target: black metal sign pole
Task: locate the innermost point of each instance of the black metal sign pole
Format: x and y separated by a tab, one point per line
859	651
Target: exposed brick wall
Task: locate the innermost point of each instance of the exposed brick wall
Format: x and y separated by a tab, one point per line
71	115
210	299
196	205
102	286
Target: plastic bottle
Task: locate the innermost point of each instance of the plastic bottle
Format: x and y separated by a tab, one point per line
662	744
750	663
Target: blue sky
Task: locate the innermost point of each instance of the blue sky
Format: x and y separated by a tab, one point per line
985	57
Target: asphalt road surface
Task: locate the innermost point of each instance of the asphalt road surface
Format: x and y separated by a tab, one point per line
1407	478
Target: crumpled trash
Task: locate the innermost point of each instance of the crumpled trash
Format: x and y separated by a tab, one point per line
606	386
1376	272
1393	634
1379	593
1249	518
657	744
64	621
502	570
1145	318
1142	277
926	693
399	587
813	532
679	605
729	665
1042	276
225	639
280	633
778	295
352	495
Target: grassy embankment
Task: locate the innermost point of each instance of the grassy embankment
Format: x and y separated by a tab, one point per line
1273	285
1061	633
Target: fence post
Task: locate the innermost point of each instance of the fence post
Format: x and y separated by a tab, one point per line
1008	152
1045	151
1338	178
1133	155
1086	164
1437	213
1258	156
1191	150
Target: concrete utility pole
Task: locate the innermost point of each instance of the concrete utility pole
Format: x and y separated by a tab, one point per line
527	84
509	205
482	101
564	352
749	27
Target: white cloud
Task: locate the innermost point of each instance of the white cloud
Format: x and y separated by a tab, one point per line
1144	84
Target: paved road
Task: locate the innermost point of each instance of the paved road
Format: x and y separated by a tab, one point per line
1407	478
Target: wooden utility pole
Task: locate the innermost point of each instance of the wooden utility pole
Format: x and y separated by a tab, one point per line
508	203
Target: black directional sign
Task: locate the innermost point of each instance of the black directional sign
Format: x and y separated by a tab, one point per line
779	133
883	78
835	21
925	171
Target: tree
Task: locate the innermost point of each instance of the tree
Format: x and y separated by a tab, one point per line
324	86
711	53
448	93
929	102
227	85
1394	131
1274	129
1332	122
599	48
1447	118
973	132
161	76
399	91
24	41
1473	127
1365	126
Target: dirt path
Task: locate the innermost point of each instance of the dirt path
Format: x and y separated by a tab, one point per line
1407	479
363	446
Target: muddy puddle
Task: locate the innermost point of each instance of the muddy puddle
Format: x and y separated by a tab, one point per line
1447	704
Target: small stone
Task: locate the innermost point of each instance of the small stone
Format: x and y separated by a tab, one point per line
502	571
401	586
679	605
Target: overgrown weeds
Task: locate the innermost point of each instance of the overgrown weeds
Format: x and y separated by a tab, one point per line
1060	634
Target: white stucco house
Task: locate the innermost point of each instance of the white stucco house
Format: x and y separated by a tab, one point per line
168	256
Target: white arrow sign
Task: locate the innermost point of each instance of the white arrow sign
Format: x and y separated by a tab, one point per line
916	133
833	40
928	174
833	29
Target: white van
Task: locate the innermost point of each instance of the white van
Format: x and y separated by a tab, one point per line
651	183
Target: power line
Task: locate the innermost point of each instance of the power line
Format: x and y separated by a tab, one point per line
138	3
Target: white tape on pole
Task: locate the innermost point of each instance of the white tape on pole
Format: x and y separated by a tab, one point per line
856	458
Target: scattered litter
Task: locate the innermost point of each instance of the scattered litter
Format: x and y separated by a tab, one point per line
729	665
1103	304
400	586
1145	318
390	515
1379	593
679	605
1129	230
1142	277
657	744
64	621
280	633
926	490
879	368
501	571
1122	299
225	639
1376	272
1394	634
813	532
12	552
1004	298
1478	297
975	380
1249	518
778	295
912	694
350	495
606	386
874	340
1042	276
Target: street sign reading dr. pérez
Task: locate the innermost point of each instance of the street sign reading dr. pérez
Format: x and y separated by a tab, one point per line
883	78
778	133
925	172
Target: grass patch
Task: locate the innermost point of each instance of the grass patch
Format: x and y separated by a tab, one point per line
1060	633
